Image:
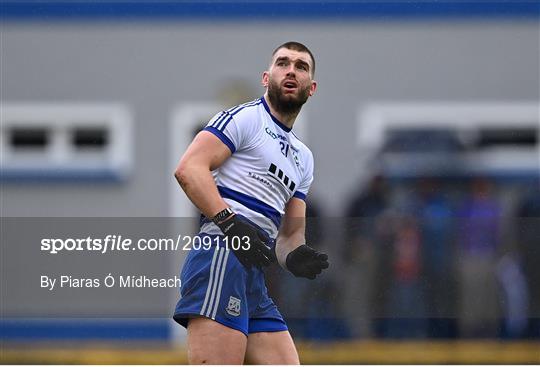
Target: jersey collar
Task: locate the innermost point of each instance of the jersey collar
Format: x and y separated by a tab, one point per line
278	123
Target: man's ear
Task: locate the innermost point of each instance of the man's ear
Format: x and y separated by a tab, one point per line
313	88
265	78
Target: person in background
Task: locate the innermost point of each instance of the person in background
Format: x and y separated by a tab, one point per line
364	257
478	240
528	239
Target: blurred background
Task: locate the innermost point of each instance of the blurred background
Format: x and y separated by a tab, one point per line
425	131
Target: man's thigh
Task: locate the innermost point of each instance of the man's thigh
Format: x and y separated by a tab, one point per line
271	348
210	342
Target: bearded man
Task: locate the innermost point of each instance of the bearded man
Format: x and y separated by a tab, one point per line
249	175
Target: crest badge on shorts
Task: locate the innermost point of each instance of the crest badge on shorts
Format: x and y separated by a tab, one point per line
233	308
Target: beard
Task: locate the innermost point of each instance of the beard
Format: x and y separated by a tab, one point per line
287	104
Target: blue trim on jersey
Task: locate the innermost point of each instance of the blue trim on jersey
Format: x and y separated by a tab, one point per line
232	110
220	117
300	195
218	124
251	203
221	137
222	128
278	123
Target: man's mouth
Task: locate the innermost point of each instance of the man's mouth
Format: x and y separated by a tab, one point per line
290	84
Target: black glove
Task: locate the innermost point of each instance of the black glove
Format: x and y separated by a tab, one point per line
255	252
306	262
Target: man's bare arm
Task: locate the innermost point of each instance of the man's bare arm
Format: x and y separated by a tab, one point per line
194	172
292	230
291	251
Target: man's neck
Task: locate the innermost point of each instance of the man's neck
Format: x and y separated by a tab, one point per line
286	119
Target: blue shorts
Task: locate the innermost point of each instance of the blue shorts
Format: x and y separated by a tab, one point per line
217	286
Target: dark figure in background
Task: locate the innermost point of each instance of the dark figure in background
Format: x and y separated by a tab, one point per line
528	232
366	258
363	213
406	303
478	242
436	219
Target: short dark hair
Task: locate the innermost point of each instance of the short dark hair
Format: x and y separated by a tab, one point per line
296	46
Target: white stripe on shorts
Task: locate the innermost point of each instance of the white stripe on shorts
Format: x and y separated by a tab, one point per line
210	280
215	282
221	276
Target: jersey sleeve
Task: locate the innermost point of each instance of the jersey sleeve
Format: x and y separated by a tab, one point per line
307	179
235	132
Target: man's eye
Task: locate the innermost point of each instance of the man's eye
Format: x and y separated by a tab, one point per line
302	67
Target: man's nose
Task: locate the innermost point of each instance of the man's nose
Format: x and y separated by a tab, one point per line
290	71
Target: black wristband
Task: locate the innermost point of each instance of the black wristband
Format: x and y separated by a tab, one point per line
222	215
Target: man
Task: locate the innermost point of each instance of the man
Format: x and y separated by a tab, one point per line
249	175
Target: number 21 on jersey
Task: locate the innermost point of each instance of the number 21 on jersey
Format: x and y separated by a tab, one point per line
284	148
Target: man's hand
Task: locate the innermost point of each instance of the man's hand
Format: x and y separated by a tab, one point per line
259	253
306	262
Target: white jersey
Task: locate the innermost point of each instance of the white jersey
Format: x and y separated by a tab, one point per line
269	165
